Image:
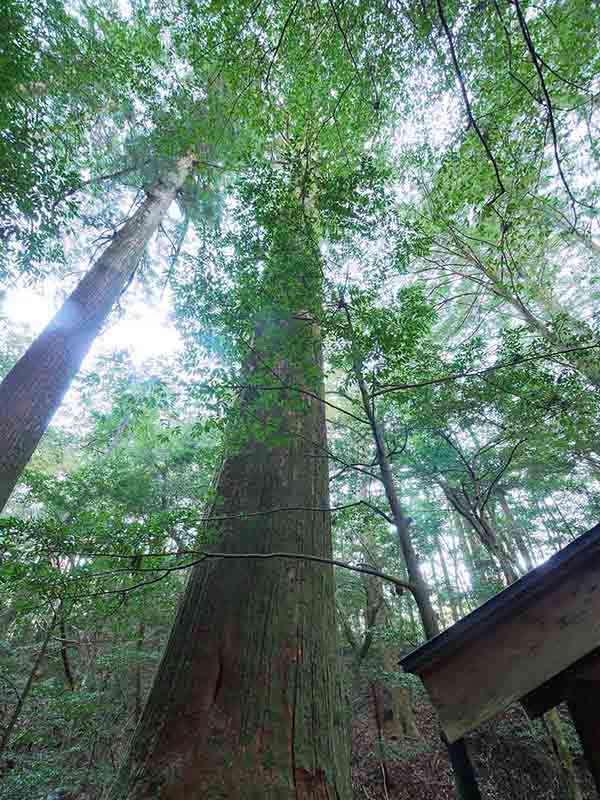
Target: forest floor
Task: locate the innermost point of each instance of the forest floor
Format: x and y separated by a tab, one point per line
511	755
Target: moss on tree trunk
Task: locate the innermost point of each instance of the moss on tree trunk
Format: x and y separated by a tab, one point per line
247	702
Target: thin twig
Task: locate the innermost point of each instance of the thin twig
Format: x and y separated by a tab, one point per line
280	42
475	373
538	67
465	94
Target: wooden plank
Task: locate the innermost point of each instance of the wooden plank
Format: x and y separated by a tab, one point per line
511	659
506	603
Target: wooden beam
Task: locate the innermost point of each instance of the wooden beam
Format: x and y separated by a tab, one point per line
505	604
584	705
464	774
556	690
545	697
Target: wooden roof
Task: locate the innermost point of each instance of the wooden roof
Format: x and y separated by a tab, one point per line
516	641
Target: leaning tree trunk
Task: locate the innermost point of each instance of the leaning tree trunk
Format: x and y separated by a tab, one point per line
247	701
34	388
24	695
459	756
420	589
477	519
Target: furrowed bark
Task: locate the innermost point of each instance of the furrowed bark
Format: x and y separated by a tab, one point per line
34	388
247	702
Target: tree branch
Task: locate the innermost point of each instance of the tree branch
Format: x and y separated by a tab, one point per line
204	556
463	89
457	375
538	67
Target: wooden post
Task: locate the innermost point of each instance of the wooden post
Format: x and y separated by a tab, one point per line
464	774
583	701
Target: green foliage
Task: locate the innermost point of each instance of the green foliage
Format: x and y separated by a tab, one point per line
446	251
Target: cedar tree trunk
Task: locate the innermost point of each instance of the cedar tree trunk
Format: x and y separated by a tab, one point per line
247	702
34	388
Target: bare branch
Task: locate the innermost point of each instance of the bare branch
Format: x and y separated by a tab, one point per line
204	556
538	67
501	473
280	42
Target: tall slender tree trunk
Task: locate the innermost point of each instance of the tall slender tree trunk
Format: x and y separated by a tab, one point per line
459	756
138	671
454	611
401	523
14	717
476	558
481	524
247	702
34	388
465	549
64	654
516	531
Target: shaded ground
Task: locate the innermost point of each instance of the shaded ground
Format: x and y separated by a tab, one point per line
511	756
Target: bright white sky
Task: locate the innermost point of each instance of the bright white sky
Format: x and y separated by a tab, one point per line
144	329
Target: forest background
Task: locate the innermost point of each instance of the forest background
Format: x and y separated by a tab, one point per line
415	183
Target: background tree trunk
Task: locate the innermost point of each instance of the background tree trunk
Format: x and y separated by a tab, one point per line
562	755
481	524
24	694
516	531
402	723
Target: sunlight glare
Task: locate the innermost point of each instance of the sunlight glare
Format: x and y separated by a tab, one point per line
145	330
